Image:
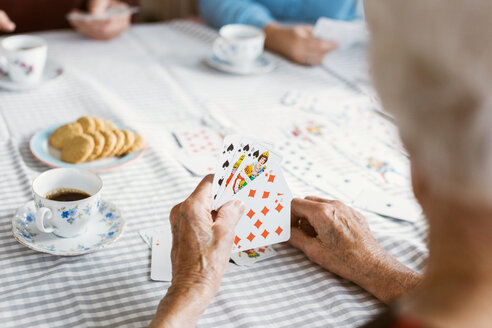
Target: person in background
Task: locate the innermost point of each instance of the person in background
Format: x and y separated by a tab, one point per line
419	47
33	15
287	23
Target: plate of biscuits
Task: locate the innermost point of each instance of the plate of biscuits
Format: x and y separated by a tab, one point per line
91	143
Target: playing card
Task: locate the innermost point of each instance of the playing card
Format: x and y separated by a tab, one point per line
161	268
200	140
384	204
343	33
253	162
307	131
266	219
252	256
323	168
380	161
229	148
245	149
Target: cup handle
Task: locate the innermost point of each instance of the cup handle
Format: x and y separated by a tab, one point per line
42	215
220	49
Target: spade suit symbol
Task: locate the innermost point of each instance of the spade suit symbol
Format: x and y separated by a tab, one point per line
226	164
220	181
230	148
246	148
256	153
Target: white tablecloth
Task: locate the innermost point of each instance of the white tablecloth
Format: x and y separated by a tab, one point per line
152	79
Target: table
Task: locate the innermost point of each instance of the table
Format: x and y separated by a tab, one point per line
152	78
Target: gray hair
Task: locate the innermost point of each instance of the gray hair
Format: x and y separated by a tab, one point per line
432	66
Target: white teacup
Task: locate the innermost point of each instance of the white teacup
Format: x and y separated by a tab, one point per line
23	58
239	44
66	218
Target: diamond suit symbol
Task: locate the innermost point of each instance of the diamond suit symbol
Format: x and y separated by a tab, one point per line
265	211
251	237
250	214
279	208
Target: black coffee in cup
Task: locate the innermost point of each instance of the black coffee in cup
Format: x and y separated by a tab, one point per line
67	195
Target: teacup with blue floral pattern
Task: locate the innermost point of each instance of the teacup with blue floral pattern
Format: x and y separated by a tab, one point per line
66	218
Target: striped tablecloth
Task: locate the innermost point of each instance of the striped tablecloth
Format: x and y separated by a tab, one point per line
152	79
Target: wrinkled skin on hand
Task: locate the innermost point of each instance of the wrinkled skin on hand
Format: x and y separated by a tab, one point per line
203	238
202	245
297	43
338	238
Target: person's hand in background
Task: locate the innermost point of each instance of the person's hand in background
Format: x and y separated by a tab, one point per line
297	43
102	29
338	238
202	245
6	25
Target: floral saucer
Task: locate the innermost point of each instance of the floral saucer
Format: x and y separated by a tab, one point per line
51	71
105	229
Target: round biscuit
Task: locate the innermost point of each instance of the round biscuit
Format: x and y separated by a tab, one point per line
110	142
138	144
87	123
120	142
108	125
99	123
99	142
65	133
129	140
78	149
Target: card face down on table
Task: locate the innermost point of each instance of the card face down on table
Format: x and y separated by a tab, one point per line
250	170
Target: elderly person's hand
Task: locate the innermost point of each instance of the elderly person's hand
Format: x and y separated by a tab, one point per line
6	25
102	29
202	245
338	238
297	43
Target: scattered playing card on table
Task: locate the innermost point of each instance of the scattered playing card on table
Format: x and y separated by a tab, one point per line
254	176
161	267
252	256
198	149
343	33
199	140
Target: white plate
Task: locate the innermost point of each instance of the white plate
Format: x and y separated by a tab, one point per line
261	65
103	230
43	152
51	71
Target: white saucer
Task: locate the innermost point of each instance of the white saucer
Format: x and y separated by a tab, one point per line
261	65
105	229
51	71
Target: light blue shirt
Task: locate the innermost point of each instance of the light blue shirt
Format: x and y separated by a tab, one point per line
262	12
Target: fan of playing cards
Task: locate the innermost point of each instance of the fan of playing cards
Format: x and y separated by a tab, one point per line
250	170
